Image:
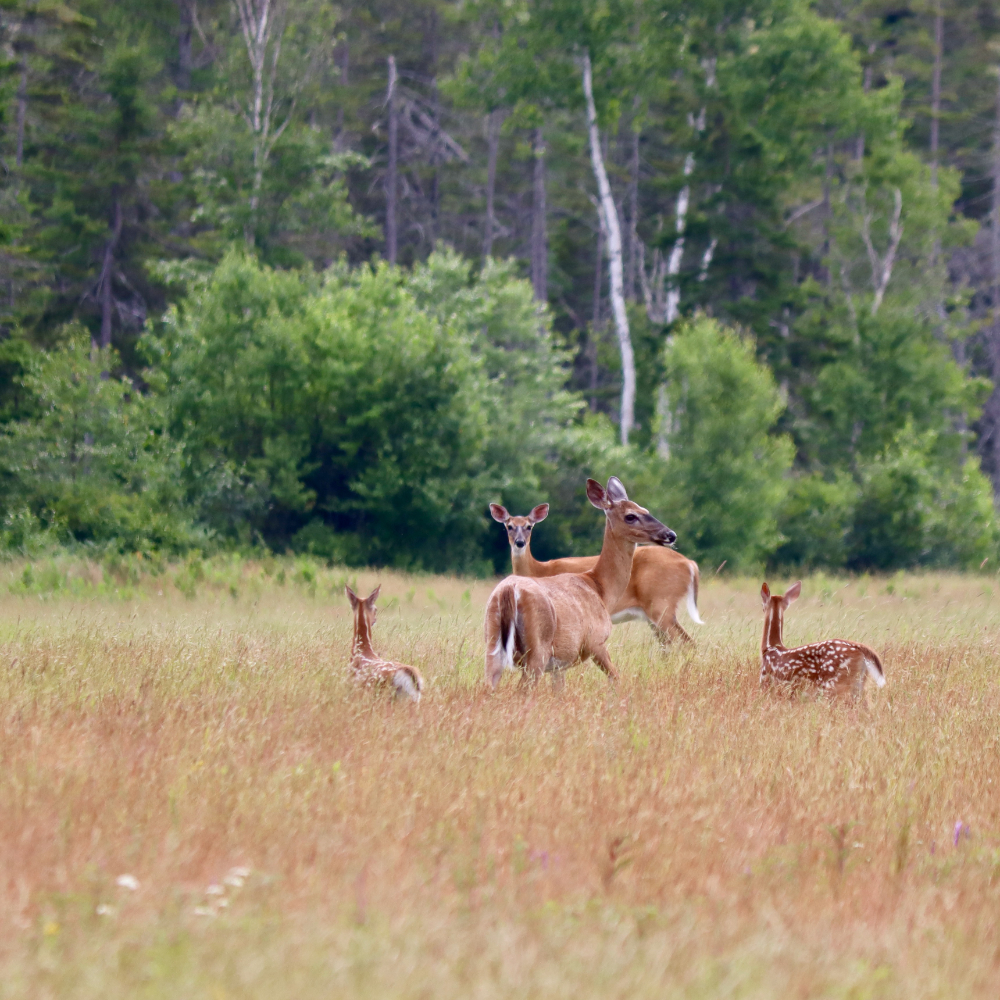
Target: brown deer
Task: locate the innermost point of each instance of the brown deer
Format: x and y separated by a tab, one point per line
554	622
368	668
661	578
834	665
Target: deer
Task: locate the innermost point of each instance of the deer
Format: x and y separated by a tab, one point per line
368	669
834	666
661	577
550	623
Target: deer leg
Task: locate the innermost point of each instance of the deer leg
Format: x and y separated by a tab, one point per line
666	628
603	660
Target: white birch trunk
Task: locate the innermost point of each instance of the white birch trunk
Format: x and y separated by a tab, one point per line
609	218
262	23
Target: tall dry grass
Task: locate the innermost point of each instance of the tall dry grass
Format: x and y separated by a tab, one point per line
681	834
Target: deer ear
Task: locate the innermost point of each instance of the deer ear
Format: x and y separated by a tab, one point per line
351	596
539	513
370	599
596	495
499	512
616	491
765	594
792	593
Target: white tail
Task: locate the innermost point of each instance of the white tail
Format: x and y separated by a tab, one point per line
692	596
558	620
875	672
835	665
405	684
661	578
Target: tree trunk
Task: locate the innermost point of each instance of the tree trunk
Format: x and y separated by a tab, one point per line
184	37
677	252
106	273
539	242
599	273
344	65
493	121
633	213
609	215
859	149
22	113
936	92
993	405
390	180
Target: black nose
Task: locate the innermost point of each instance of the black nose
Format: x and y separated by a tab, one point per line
519	543
669	537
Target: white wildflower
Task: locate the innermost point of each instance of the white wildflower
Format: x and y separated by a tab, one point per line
103	910
129	882
214	890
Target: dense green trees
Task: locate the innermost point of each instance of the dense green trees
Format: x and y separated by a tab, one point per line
792	266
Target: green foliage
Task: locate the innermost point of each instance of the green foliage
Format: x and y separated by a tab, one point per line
726	467
369	417
94	466
912	511
816	521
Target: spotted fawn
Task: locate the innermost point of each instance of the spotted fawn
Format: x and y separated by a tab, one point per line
835	665
368	668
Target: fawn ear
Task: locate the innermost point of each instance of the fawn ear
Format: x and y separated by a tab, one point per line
539	513
596	495
792	593
370	599
351	596
765	594
499	512
616	491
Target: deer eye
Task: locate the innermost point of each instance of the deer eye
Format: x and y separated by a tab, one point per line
631	518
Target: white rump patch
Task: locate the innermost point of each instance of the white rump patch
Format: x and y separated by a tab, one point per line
629	615
508	651
876	675
692	608
403	682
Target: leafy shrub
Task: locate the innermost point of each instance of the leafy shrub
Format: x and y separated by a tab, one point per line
914	510
724	480
94	466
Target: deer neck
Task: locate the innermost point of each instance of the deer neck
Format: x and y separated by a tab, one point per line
522	561
772	630
614	567
362	646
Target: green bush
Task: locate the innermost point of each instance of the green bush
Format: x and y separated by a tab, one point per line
94	466
724	479
816	521
916	511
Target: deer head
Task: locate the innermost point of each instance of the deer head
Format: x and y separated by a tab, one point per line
365	614
626	520
774	611
519	528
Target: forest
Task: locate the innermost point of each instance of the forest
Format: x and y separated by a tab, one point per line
297	276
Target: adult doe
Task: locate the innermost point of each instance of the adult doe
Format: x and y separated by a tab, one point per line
835	665
368	668
660	580
554	622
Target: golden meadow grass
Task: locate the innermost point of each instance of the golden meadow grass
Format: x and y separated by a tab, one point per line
682	834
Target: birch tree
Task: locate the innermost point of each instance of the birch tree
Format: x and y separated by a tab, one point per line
270	101
610	223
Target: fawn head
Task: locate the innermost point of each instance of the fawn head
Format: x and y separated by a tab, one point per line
774	611
627	520
364	609
519	528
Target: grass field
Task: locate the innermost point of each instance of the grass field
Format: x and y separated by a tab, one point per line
195	803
